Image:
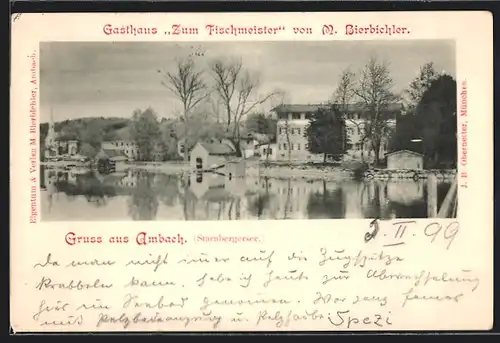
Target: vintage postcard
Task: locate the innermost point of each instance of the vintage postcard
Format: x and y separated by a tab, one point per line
252	172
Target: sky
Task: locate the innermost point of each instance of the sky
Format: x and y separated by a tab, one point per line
112	79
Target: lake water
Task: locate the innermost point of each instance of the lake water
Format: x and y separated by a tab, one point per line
132	195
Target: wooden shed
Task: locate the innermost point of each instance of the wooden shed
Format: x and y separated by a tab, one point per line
205	156
405	159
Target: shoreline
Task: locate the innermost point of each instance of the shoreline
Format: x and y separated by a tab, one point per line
320	172
286	172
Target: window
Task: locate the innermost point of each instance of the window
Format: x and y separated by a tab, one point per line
307	146
295	115
270	151
281	130
293	131
298	131
284	146
298	146
199	163
121	144
291	146
308	115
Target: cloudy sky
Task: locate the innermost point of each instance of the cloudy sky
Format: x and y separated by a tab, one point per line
86	79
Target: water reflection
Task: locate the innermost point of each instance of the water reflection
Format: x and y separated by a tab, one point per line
133	195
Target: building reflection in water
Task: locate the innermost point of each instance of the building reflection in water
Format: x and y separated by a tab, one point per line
134	195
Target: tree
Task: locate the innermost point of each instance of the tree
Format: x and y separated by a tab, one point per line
374	90
237	90
145	131
435	121
88	150
92	134
343	98
201	127
260	123
326	133
419	85
405	131
187	84
287	129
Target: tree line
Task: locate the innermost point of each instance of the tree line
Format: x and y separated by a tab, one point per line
222	101
425	121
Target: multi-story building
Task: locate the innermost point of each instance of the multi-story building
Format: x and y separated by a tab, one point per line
294	119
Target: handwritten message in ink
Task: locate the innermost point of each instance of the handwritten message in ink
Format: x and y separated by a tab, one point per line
338	285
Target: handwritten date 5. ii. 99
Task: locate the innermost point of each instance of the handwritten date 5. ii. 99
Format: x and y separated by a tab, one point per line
399	232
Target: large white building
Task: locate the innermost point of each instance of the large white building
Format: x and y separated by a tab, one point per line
293	120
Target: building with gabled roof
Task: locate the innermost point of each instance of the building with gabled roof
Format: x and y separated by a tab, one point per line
212	154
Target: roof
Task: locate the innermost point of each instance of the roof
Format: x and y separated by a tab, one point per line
113	153
296	108
218	148
402	151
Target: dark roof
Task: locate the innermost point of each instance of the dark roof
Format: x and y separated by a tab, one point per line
113	153
402	151
295	108
218	148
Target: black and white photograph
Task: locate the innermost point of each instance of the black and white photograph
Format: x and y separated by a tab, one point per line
255	130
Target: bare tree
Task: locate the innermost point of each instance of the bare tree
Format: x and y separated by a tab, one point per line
419	85
288	141
374	90
343	98
237	90
226	76
187	84
215	104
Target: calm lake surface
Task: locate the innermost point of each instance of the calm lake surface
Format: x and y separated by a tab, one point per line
132	195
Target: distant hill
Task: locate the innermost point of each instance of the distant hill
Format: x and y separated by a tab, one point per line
88	129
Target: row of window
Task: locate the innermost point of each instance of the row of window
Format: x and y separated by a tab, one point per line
293	146
358	130
293	131
298	130
295	116
120	144
303	116
357	146
266	151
